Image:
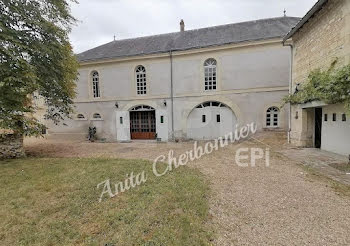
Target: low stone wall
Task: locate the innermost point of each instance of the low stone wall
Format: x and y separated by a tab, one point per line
11	146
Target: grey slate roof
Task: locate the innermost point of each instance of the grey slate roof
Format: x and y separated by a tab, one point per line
193	39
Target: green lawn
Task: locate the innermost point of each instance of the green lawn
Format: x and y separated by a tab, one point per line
55	202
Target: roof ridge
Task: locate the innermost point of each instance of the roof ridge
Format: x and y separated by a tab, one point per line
244	22
315	8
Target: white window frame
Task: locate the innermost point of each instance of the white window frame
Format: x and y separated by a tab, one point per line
142	108
210	75
94	118
77	116
141	80
96	88
211	104
272	117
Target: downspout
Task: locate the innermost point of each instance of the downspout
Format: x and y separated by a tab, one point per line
172	95
290	90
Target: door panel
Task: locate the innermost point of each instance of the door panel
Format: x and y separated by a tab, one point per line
143	125
318	127
162	124
219	121
123	126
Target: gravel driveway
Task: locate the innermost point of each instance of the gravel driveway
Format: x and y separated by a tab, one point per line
277	205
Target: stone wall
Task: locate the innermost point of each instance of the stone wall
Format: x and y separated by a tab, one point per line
324	38
11	146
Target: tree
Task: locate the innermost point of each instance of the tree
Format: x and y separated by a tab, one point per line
35	56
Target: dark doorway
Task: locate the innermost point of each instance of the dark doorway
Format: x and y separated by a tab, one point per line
318	127
143	124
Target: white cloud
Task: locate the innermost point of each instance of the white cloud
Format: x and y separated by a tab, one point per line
100	20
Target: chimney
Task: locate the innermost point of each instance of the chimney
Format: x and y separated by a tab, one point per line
182	25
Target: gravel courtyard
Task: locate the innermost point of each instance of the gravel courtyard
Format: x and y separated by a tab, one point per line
283	204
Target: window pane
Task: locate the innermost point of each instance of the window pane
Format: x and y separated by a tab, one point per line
141	80
95	84
210	74
206	104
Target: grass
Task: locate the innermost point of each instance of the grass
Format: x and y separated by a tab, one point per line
338	187
344	167
55	202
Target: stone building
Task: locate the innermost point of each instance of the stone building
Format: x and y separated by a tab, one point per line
195	84
322	36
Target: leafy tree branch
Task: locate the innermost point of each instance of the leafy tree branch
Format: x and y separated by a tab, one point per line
35	56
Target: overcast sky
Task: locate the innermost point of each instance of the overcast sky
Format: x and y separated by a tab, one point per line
100	20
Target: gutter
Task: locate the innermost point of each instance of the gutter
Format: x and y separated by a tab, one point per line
172	95
290	89
164	53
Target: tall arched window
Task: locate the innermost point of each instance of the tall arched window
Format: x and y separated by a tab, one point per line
95	84
141	87
210	74
272	117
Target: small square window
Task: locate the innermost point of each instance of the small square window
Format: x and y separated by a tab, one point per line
334	117
218	118
162	119
203	118
325	117
343	117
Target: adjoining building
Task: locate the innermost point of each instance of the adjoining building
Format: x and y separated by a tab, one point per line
196	84
321	37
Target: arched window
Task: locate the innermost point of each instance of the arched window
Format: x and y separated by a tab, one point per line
95	84
210	74
272	117
142	108
211	104
141	80
96	116
80	117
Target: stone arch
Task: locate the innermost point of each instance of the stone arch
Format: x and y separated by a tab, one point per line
193	104
141	119
131	105
220	117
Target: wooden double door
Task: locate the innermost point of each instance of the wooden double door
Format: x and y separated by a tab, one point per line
143	124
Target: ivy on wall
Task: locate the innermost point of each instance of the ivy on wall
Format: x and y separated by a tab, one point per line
331	86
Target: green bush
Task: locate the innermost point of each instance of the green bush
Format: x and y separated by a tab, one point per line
331	86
